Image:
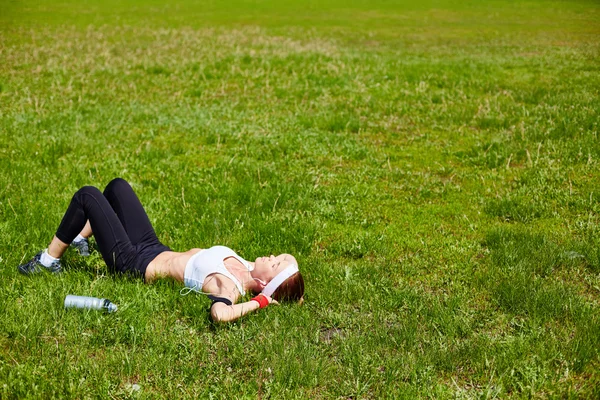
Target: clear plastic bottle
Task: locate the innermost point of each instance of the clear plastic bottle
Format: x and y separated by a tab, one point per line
91	303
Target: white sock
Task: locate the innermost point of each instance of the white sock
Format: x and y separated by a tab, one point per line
46	259
79	238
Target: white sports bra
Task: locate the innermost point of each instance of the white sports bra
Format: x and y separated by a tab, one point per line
211	261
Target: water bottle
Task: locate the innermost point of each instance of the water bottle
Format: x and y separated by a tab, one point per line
90	303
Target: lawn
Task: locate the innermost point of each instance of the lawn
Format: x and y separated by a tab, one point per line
433	165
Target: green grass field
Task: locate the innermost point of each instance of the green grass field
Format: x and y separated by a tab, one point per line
433	165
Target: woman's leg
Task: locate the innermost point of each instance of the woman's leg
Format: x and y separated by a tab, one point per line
130	212
88	204
86	232
121	196
57	247
122	229
81	242
132	215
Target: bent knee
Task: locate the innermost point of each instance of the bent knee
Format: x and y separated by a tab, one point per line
116	184
93	190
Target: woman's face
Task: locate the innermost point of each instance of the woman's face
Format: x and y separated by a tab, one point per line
266	268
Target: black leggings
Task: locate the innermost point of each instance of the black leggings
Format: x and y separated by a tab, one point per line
121	227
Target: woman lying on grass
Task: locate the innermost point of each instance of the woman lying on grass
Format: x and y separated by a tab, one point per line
129	244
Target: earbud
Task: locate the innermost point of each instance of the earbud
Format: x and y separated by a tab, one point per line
260	281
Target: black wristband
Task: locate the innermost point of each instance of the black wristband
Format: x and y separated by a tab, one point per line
216	299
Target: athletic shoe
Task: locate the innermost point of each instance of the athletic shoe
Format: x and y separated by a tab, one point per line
83	246
34	266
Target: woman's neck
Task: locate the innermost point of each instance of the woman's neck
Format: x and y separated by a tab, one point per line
243	275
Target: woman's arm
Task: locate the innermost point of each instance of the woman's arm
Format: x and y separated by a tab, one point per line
221	312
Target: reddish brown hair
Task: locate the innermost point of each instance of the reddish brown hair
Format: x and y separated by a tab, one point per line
292	289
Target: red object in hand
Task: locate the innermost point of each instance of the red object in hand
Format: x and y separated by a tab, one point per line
261	300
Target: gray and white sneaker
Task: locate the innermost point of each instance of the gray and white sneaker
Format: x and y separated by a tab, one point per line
83	246
34	266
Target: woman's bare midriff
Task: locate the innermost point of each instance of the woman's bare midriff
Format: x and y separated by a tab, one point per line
169	264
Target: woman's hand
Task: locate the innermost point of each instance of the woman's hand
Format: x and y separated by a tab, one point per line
270	299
